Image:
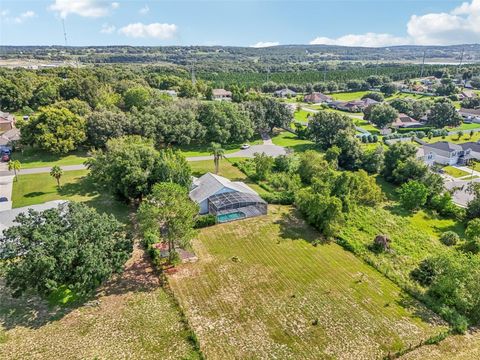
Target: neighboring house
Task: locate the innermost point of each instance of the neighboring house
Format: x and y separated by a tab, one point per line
467	94
474	148
171	93
403	121
317	98
353	105
226	200
222	95
428	157
283	93
447	153
7	121
470	115
10	138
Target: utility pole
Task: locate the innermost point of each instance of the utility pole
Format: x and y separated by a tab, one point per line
423	64
461	61
64	32
194	80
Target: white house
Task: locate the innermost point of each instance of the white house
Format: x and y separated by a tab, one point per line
283	93
470	115
427	157
227	200
222	95
446	153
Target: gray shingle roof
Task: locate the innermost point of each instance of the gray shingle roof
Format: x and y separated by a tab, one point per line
445	146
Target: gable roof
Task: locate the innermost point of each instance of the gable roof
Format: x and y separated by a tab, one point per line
444	146
475	146
209	184
285	91
317	96
221	92
6	117
469	111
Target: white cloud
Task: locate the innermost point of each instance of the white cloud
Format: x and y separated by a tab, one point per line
154	30
262	44
85	8
144	10
24	16
107	29
4	13
458	26
367	40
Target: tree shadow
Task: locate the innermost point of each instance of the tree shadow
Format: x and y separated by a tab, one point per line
420	310
33	312
293	227
34	194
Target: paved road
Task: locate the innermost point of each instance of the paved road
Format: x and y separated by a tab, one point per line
461	196
46	169
6	186
267	148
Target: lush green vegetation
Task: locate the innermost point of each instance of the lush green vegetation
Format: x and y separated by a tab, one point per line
75	186
290	140
475	166
305	301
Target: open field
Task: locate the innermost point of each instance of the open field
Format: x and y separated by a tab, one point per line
453	171
414	236
262	290
32	158
133	318
202	150
38	188
291	141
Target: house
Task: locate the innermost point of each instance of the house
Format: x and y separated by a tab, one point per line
222	95
284	93
403	121
474	148
317	98
467	94
171	93
470	115
428	157
447	153
7	121
353	105
226	200
9	138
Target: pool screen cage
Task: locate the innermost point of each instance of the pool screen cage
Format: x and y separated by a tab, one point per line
229	202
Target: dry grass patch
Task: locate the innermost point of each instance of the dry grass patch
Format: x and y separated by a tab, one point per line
261	290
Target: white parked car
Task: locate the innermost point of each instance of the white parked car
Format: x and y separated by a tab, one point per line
245	146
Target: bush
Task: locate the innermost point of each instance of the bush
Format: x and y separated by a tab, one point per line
205	221
449	238
424	273
280	198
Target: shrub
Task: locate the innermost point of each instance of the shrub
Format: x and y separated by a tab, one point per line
424	273
205	221
449	238
281	198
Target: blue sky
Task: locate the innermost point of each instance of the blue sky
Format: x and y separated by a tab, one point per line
240	22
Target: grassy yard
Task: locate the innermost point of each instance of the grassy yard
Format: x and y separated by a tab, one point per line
135	318
202	150
32	158
347	96
475	166
226	170
262	290
302	116
465	127
454	138
37	188
453	171
290	140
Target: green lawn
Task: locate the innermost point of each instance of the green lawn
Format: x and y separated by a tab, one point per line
465	127
32	158
290	140
302	115
454	138
75	186
262	290
475	165
202	150
347	96
453	171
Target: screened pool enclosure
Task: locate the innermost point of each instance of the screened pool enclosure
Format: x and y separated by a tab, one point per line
234	205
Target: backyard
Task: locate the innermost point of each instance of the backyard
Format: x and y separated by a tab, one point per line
261	289
291	141
455	172
32	158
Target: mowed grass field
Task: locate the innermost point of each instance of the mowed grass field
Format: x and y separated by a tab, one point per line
131	317
33	189
33	158
262	290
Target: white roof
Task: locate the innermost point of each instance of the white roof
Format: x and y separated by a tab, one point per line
7	217
209	184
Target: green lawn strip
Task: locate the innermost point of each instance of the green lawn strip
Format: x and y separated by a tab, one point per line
290	299
453	171
33	158
475	165
290	140
454	138
348	96
75	186
465	127
303	115
202	150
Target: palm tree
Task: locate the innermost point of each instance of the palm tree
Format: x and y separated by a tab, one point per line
57	173
218	152
14	165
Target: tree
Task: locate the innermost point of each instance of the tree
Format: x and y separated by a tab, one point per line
395	155
138	96
443	113
187	90
449	238
218	152
388	89
372	161
446	87
104	125
374	96
311	163
404	106
45	94
263	165
332	154
15	166
130	165
383	115
326	127
413	195
169	213
71	246
55	130
472	231
473	207
277	114
56	172
11	96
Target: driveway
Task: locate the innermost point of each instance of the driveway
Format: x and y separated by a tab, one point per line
270	150
6	186
45	169
460	194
